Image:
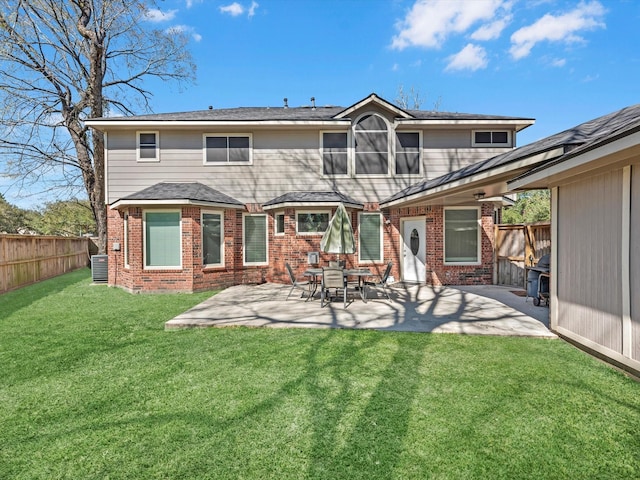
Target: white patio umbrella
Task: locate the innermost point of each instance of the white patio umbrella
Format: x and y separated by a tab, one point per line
338	238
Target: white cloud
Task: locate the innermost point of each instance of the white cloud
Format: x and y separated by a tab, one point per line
395	67
472	57
158	16
234	9
191	3
561	28
559	62
252	9
430	22
491	31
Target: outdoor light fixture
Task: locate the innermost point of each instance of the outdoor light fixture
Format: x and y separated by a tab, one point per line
478	195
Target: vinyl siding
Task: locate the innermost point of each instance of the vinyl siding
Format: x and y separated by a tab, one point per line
283	161
589	261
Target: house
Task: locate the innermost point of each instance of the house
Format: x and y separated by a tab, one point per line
207	199
595	256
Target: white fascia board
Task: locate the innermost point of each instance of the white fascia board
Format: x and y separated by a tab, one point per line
484	175
373	98
580	159
153	203
210	123
520	124
310	205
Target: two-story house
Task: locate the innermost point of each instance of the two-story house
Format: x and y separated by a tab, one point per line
207	199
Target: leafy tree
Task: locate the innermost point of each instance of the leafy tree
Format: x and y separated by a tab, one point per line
66	218
64	62
12	218
532	206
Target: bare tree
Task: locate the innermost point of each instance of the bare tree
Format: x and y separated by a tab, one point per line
413	100
64	62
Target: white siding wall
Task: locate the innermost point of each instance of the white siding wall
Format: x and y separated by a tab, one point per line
282	162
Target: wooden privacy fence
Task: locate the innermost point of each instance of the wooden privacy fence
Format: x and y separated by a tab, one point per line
518	246
26	259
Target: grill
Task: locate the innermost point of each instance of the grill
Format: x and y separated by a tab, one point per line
538	281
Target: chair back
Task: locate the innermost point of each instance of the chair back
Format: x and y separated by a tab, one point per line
387	271
332	277
291	275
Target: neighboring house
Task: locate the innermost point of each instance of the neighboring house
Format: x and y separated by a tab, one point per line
595	257
212	198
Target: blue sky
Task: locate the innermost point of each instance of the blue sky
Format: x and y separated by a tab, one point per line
561	62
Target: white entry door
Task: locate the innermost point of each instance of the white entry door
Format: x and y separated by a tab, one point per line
414	250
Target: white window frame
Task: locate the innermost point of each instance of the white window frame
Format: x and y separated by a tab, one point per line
125	241
381	260
420	148
349	150
492	144
479	235
144	239
304	212
275	224
266	239
226	135
212	212
157	145
390	147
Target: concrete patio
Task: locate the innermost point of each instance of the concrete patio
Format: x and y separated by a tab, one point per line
472	310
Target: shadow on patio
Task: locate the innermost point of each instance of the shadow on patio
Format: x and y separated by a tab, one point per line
486	310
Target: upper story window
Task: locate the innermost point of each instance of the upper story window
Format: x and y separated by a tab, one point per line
227	149
371	140
407	153
334	153
486	138
147	147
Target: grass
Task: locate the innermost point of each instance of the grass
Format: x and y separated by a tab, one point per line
93	387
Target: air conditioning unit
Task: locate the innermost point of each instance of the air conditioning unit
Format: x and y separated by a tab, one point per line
99	268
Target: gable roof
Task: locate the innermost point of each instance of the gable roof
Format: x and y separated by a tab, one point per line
310	115
312	199
524	159
376	100
170	193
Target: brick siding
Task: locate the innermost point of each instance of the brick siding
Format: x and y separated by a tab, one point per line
290	247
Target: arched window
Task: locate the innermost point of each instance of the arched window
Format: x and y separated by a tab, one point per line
371	138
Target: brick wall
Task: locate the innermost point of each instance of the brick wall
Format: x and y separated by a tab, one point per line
290	247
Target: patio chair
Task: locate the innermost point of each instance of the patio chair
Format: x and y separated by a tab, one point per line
381	282
333	279
303	285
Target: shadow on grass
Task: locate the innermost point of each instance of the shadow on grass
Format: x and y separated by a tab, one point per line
353	438
15	300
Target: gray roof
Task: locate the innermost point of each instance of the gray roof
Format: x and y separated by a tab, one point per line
192	191
573	140
313	197
597	132
304	113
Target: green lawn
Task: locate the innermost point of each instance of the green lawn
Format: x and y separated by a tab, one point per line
93	387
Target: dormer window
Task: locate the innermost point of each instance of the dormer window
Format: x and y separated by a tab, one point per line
371	140
495	138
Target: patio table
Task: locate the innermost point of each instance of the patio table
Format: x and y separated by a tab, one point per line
315	277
